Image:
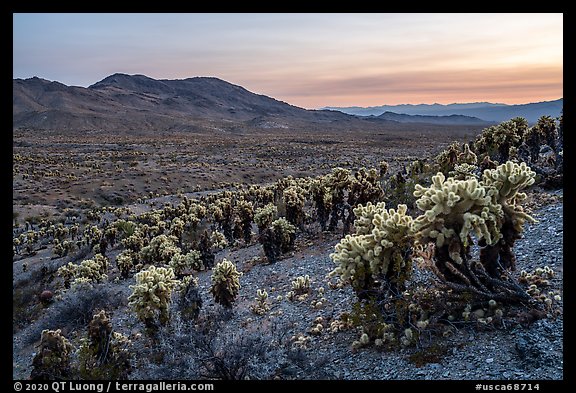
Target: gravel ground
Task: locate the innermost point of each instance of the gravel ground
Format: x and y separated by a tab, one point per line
516	352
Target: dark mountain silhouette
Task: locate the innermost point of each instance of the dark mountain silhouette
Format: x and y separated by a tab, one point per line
137	102
451	119
483	110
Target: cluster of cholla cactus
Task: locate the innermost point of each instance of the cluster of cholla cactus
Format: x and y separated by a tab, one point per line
261	305
277	236
151	296
225	283
185	263
300	288
376	257
52	360
89	271
104	354
160	250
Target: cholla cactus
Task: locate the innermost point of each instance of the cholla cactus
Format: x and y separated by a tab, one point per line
301	285
337	181
125	262
225	283
88	271
496	141
151	295
52	361
261	305
104	354
378	251
245	212
189	300
322	200
160	250
265	215
294	199
284	234
467	156
182	263
218	240
454	209
364	188
464	171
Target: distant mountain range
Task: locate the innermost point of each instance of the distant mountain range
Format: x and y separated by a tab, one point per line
481	110
449	119
204	104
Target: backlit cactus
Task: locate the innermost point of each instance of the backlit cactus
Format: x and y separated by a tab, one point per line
379	251
456	209
151	295
225	283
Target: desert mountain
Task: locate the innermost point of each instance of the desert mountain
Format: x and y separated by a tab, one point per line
137	102
483	110
450	119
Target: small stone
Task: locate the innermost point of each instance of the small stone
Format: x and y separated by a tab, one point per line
489	360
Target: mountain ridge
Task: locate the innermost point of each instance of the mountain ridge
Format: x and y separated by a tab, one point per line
487	111
126	102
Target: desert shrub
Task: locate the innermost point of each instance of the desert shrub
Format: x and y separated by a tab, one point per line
75	309
209	348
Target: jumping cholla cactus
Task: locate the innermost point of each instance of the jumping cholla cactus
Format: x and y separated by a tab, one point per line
151	295
125	262
88	271
189	299
294	199
245	211
160	250
264	216
52	361
225	283
454	209
285	234
378	253
261	305
301	285
181	263
104	353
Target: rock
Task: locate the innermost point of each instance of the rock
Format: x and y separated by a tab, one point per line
490	360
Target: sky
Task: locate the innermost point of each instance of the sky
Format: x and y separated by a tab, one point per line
309	60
